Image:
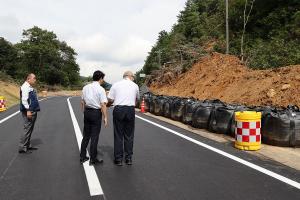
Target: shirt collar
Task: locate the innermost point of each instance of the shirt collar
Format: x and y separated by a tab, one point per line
96	82
27	84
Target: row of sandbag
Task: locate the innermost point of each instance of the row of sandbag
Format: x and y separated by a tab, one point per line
280	127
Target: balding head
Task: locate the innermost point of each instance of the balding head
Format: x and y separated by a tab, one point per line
29	76
31	79
129	74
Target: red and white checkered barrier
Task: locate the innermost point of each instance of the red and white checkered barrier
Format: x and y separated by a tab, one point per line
248	131
2	104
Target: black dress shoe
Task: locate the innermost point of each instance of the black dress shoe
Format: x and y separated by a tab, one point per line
128	161
118	162
25	152
96	162
82	160
32	148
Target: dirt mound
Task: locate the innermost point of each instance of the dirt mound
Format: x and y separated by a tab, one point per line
225	77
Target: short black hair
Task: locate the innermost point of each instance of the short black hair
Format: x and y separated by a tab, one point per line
98	75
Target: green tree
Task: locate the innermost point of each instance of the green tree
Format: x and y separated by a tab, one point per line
271	37
8	56
53	61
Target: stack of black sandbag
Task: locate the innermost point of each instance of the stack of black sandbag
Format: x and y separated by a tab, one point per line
148	98
202	113
222	119
281	127
190	107
159	102
177	108
152	104
167	106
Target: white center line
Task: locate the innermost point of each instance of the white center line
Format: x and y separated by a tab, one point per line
91	175
237	159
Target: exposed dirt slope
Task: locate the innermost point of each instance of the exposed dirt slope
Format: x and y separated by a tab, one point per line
11	93
224	77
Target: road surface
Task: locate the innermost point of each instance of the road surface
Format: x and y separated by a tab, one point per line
169	163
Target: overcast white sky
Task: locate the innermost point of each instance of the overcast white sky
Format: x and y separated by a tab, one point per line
112	36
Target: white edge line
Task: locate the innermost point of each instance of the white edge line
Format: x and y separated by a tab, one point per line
91	175
237	159
12	115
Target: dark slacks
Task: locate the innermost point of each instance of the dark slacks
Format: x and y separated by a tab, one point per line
91	131
28	128
124	123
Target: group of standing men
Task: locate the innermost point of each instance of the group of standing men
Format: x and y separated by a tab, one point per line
94	103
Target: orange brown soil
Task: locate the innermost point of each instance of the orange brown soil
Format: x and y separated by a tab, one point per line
224	77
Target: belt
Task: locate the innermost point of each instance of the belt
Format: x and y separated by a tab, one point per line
121	106
89	108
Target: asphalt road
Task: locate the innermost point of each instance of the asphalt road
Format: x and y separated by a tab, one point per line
166	166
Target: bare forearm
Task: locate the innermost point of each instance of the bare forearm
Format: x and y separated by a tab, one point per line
82	105
104	111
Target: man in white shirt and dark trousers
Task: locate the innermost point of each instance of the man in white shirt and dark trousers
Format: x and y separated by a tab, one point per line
123	95
29	106
94	106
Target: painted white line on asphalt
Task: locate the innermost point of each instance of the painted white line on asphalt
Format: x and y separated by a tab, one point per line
9	165
14	114
10	116
237	159
91	175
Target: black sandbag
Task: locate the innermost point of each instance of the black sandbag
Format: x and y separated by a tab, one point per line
167	107
152	104
189	109
147	97
222	119
282	127
138	102
159	105
264	111
177	108
201	116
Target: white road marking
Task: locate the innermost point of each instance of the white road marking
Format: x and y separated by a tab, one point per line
91	175
10	116
14	114
9	165
237	159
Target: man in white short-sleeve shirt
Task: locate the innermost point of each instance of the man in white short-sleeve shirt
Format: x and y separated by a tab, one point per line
123	95
94	106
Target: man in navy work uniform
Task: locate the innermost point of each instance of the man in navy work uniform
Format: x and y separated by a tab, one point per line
94	106
29	106
123	95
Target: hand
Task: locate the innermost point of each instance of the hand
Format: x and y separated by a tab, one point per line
29	114
105	122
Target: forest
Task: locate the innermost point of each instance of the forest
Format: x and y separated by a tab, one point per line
263	34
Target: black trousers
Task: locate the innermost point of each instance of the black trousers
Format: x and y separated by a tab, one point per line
124	123
91	131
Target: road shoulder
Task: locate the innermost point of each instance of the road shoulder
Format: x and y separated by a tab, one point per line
284	155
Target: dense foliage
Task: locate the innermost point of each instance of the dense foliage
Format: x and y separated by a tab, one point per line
42	53
271	36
